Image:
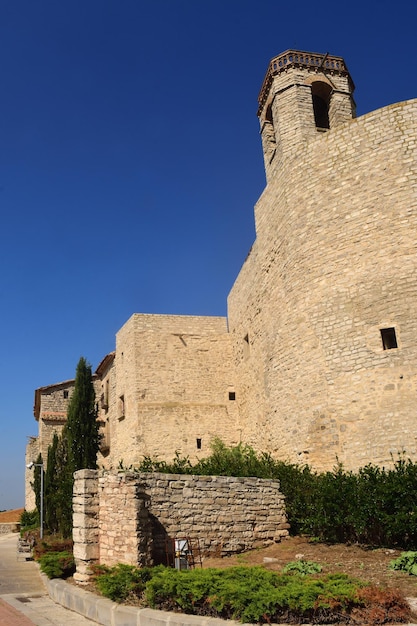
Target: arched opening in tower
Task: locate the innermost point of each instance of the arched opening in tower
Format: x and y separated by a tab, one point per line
321	93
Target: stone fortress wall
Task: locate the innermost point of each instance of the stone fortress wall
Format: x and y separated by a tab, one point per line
317	359
333	267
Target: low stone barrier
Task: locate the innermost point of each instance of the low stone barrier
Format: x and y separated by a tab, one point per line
126	517
10	527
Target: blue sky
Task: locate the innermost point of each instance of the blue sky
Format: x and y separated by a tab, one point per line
130	161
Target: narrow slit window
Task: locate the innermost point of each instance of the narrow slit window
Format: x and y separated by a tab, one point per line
246	346
389	338
198	443
121	407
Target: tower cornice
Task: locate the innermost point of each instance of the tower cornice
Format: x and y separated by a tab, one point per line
315	62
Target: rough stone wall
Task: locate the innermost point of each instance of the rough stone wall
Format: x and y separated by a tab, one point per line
225	514
125	531
105	386
173	376
12	527
334	263
130	518
85	523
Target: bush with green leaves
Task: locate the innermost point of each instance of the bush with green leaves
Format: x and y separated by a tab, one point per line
301	567
254	595
249	594
122	581
375	506
57	564
29	520
406	562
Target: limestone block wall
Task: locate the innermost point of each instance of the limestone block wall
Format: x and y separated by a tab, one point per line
12	527
130	518
125	528
334	262
225	514
174	388
85	523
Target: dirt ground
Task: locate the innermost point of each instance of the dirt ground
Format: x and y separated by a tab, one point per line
366	564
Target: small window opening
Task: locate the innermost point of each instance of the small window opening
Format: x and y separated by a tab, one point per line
65	393
246	346
198	443
389	338
121	407
232	395
321	93
321	112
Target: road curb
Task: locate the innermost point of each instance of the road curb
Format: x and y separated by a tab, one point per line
108	613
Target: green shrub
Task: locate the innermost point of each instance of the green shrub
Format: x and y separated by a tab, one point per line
302	567
120	582
253	595
29	520
407	562
57	564
375	506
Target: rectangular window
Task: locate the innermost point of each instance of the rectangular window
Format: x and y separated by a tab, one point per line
198	443
65	394
389	338
232	395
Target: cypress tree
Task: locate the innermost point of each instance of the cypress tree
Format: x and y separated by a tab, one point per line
64	480
51	487
82	427
76	448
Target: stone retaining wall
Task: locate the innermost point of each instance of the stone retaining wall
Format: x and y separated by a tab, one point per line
11	527
133	518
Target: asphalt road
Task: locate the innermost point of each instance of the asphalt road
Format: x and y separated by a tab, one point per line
23	597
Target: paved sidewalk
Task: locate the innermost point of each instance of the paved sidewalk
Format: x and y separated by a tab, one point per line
23	595
10	617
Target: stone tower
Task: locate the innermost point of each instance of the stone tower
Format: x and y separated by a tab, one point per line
302	94
323	315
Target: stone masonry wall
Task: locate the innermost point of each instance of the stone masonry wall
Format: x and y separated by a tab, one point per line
85	523
171	391
131	518
125	530
334	263
225	514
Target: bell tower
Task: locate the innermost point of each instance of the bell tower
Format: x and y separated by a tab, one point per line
303	94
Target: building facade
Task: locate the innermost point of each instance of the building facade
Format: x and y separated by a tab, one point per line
317	359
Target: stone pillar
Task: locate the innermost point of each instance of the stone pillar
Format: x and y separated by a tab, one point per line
125	532
85	523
